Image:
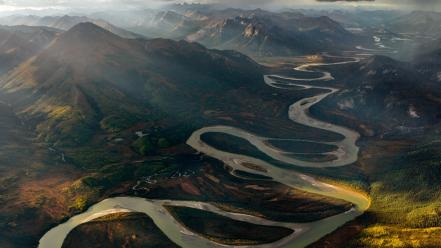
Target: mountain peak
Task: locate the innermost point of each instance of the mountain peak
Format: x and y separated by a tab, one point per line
86	41
87	32
88	28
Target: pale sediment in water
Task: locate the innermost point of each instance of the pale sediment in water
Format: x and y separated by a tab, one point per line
304	233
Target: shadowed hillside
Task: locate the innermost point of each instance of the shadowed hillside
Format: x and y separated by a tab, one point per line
19	43
65	22
89	75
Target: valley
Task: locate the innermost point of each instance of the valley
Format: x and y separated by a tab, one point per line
199	126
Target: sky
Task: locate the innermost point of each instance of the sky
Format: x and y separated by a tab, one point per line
6	5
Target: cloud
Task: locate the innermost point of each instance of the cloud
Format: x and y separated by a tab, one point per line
80	3
345	0
412	4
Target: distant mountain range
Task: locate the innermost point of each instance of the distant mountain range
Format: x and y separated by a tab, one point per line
254	32
357	18
275	35
417	22
89	109
64	23
429	60
71	84
262	33
18	44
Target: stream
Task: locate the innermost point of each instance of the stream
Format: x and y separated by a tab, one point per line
304	233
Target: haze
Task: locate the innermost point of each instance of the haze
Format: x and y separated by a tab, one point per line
81	5
220	123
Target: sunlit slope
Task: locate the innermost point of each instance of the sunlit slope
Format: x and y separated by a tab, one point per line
89	75
19	43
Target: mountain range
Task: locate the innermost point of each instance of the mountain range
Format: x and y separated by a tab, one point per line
89	77
18	44
253	32
64	23
274	35
424	23
89	110
158	76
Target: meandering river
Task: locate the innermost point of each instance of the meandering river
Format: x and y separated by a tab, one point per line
304	233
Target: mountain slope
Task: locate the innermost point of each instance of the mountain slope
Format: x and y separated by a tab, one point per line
20	43
100	76
387	95
428	62
264	33
418	22
64	23
165	24
254	32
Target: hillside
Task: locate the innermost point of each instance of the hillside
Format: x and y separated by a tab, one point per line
254	32
19	43
262	33
64	23
387	95
424	23
428	61
274	35
101	77
119	230
168	24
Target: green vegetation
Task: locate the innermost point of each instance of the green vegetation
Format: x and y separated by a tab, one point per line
349	175
213	226
407	193
69	133
79	204
251	176
149	145
163	143
233	144
116	123
113	175
156	167
92	157
386	236
298	146
80	195
144	146
118	230
89	188
405	189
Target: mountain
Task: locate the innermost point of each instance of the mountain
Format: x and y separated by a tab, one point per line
424	23
264	33
387	95
428	61
355	18
254	32
64	23
167	24
19	43
89	79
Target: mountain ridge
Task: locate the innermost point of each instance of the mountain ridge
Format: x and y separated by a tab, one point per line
98	77
65	22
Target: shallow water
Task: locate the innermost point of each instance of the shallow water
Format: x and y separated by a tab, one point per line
304	233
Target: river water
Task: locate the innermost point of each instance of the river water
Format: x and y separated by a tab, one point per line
304	233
